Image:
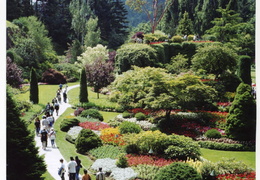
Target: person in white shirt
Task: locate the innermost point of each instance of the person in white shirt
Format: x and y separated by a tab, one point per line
100	175
72	168
61	170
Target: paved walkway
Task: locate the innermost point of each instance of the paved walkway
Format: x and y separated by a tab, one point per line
53	155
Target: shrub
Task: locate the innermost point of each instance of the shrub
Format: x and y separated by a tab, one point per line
140	116
225	146
51	76
141	55
178	170
73	133
182	147
87	105
146	171
87	140
66	124
126	114
129	127
190	37
92	113
212	133
122	161
177	39
132	149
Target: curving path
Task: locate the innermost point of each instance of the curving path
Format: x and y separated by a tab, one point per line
53	155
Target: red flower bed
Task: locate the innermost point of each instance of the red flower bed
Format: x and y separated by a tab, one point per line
113	139
224	104
246	176
137	110
134	160
94	125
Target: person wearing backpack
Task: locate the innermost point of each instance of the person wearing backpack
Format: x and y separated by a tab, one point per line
44	138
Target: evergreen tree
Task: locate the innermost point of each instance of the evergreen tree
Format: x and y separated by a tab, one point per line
92	37
23	161
56	16
18	8
83	94
244	71
34	91
111	21
185	26
241	121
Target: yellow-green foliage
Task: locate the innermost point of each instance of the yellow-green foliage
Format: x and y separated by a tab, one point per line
177	39
196	164
147	140
146	171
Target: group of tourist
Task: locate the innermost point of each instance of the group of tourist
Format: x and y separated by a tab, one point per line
74	167
44	127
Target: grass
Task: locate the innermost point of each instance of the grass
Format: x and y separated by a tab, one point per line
253	75
215	155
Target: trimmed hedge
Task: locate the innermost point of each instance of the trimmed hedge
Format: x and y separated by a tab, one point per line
66	124
225	146
94	113
212	133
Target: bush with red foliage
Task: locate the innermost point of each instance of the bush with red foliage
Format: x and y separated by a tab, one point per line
51	76
78	111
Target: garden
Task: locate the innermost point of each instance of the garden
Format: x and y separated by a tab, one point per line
168	97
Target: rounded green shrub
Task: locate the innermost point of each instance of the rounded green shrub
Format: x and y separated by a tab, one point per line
177	39
122	161
212	133
94	113
140	116
126	114
87	140
132	149
178	170
129	127
66	124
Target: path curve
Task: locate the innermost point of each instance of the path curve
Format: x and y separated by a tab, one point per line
53	155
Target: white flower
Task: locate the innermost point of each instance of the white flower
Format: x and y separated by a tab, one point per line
123	174
74	132
106	164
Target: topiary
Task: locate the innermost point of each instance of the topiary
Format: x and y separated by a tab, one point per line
129	127
87	140
178	170
213	133
92	113
177	39
140	116
66	124
126	114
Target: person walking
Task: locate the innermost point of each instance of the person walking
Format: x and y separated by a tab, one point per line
51	120
52	136
78	161
65	96
57	107
62	170
45	122
37	124
100	175
44	137
86	176
72	168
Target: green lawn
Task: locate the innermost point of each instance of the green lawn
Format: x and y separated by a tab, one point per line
215	155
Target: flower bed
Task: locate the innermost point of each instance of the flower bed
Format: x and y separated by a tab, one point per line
134	160
94	125
245	176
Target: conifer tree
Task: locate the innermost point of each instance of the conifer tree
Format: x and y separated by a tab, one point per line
185	26
83	94
23	161
244	71
34	91
241	121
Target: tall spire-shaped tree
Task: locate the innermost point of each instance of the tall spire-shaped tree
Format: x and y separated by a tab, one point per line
83	94
34	91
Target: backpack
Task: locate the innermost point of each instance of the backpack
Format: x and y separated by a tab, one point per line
44	134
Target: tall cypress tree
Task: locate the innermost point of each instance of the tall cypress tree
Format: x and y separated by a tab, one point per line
241	121
83	94
23	161
34	91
